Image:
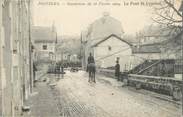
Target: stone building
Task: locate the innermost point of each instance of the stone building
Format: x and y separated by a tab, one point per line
109	49
67	48
98	30
44	43
103	27
147	51
15	62
172	49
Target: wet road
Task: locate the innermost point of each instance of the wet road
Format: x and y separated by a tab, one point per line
79	98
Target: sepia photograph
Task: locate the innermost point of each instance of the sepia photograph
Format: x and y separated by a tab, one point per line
91	58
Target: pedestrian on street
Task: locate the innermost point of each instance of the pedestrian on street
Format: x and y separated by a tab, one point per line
34	73
117	70
91	59
91	68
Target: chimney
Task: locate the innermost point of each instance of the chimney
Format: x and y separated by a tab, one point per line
106	14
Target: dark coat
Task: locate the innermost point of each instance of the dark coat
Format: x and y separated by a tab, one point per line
91	67
34	67
91	59
117	70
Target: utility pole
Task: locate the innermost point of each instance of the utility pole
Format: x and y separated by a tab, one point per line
181	10
30	49
81	56
56	42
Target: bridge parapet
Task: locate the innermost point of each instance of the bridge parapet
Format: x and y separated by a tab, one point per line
165	85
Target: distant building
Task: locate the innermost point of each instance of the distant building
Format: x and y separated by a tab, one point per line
62	57
166	53
172	49
44	42
97	31
147	51
165	47
156	34
104	27
66	57
67	48
74	58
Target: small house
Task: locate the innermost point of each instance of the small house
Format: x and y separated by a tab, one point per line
111	48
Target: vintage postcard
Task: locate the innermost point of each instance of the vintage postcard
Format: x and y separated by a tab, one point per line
91	58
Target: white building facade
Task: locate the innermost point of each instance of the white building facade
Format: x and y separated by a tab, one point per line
15	54
97	31
109	49
44	43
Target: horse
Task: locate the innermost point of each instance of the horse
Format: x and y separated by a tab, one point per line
91	70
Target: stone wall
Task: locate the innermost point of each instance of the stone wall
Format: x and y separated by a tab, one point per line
15	55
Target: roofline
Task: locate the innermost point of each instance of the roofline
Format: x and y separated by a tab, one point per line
46	41
150	44
36	27
106	38
144	52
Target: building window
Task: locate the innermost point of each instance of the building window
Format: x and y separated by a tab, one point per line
178	66
44	47
109	48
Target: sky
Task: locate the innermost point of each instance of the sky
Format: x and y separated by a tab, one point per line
72	19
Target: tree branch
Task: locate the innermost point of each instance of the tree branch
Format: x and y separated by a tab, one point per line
173	7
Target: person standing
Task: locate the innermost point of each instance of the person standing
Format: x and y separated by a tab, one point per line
91	59
91	67
34	73
117	70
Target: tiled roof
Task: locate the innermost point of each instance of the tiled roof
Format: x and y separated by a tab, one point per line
112	35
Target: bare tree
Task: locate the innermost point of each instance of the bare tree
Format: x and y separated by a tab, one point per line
167	14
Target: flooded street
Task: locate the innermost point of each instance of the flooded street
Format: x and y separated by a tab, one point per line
107	98
133	48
